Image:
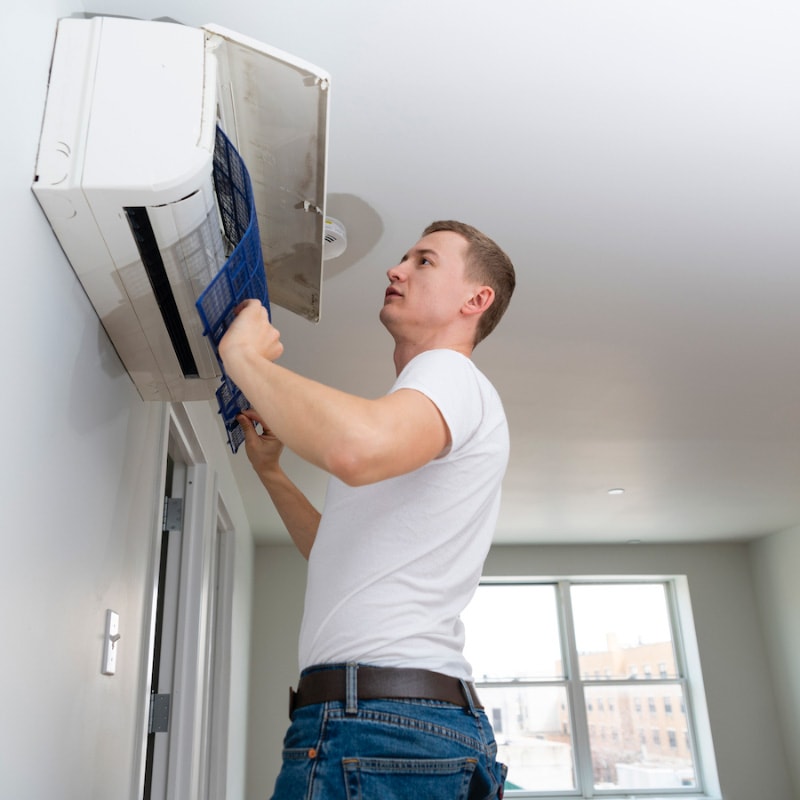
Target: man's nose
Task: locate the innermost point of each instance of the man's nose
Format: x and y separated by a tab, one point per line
395	273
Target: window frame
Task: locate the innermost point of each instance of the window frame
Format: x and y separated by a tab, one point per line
688	677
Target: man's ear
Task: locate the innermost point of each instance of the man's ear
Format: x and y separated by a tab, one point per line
479	301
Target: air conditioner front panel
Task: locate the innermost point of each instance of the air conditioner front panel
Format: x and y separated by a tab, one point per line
274	106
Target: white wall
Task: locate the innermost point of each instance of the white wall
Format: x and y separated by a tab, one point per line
280	582
78	492
775	560
741	704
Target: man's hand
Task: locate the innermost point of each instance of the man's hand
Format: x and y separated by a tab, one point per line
264	449
251	331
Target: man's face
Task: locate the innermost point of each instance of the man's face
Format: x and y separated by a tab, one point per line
428	287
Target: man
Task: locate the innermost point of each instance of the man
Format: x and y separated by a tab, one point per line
385	708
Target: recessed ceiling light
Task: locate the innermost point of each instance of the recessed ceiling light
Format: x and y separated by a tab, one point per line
616	491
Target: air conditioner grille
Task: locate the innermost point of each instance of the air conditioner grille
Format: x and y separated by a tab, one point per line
162	291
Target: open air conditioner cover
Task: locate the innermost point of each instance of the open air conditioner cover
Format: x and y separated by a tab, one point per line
126	175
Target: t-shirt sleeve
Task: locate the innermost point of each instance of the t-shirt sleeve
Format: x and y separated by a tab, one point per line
451	381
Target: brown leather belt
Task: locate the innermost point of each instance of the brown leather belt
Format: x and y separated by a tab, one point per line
329	684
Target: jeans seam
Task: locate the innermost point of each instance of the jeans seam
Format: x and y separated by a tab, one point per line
480	744
323	726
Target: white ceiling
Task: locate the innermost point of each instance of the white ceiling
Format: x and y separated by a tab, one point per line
640	163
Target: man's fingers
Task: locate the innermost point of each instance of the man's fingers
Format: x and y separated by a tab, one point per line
252	415
248	301
247	426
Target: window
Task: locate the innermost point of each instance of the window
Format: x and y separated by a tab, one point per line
497	720
657	737
559	663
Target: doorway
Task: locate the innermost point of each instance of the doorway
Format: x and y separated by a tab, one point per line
185	750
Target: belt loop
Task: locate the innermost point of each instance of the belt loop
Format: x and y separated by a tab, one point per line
351	690
465	688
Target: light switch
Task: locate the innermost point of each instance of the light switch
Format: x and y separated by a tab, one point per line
111	643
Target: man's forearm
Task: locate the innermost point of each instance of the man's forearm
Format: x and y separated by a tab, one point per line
322	425
299	516
358	440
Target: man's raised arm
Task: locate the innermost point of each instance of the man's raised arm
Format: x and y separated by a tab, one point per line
358	440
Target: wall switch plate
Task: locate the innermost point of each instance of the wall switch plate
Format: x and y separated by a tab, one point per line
111	642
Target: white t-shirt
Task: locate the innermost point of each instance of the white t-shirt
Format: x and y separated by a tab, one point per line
394	563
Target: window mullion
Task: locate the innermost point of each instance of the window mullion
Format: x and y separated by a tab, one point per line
577	704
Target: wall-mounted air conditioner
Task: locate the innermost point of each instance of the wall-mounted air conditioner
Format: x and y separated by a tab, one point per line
126	174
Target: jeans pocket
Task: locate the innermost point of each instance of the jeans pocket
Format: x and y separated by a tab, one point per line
408	778
488	783
295	774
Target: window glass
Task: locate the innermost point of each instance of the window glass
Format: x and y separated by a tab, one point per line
534	738
634	746
512	633
623	629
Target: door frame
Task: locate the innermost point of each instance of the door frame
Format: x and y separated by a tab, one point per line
198	750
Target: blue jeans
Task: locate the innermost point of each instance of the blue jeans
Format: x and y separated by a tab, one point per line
389	750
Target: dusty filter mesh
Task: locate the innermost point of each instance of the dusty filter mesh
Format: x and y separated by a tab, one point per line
241	277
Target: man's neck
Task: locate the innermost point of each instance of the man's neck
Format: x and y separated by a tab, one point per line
404	352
